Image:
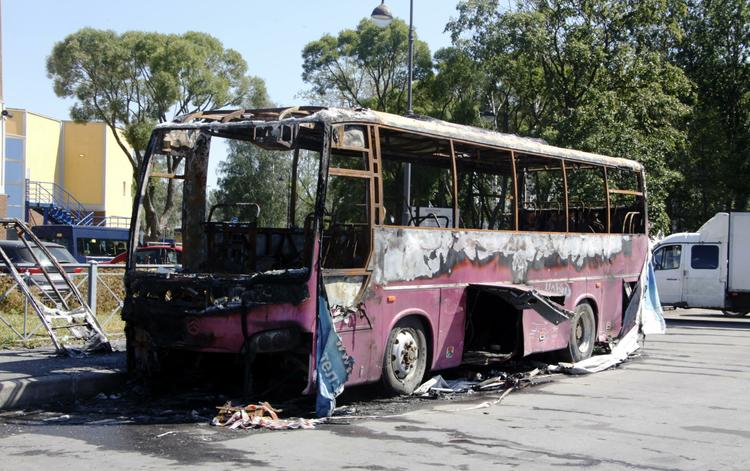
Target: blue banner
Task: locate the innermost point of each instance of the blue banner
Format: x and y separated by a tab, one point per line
332	363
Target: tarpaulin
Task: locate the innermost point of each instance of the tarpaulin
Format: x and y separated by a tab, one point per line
332	363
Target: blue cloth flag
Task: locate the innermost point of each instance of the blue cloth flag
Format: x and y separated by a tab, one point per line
332	363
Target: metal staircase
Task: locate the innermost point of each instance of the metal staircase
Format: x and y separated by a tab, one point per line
57	301
56	204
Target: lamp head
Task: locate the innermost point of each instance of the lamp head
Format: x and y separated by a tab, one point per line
382	15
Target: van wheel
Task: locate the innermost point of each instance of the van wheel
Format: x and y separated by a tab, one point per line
582	335
734	313
405	357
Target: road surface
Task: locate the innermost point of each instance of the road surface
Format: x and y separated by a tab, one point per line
681	405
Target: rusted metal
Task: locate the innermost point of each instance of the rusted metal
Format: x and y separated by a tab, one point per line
515	189
606	192
565	194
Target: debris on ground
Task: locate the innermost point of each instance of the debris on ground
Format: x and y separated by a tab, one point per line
437	386
254	416
626	347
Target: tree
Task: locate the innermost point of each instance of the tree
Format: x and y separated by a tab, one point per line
251	174
366	67
588	74
134	80
715	54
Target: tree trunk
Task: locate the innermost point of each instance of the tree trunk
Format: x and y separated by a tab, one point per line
194	206
153	229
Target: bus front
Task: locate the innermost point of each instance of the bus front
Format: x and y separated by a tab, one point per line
246	283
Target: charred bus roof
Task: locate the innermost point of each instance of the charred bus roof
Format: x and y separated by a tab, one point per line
235	124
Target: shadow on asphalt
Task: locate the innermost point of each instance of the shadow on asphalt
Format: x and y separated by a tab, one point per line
711	321
177	404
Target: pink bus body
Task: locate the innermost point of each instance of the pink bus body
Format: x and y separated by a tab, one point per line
456	285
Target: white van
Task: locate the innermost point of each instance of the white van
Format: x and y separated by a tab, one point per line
709	268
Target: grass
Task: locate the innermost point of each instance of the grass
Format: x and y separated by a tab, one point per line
110	291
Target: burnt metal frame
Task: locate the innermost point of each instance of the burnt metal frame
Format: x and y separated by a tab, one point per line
374	208
513	155
224	117
374	159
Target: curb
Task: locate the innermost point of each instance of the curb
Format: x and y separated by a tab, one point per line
59	388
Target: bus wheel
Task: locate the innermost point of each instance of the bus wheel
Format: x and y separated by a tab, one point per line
734	313
405	358
582	335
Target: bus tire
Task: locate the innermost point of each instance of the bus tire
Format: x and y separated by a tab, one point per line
582	335
405	357
735	314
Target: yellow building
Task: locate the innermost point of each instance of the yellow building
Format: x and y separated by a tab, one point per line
78	167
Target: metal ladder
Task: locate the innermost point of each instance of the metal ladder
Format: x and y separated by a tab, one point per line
68	312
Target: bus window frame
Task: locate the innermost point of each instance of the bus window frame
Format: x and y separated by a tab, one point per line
337	135
378	197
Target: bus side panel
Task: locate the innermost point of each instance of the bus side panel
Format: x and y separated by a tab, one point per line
399	304
540	335
610	312
449	347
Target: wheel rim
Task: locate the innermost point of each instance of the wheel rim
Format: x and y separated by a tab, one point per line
584	332
404	354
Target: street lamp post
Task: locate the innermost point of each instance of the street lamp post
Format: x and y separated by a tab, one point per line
382	17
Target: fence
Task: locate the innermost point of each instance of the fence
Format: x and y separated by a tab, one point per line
101	284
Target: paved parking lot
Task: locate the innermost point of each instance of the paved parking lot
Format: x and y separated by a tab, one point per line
681	405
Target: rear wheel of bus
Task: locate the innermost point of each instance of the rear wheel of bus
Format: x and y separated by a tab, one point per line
405	357
582	335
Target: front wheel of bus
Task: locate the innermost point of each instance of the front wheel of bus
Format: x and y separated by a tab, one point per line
582	335
405	358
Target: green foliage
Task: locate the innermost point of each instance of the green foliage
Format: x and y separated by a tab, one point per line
254	175
136	79
593	75
132	81
715	54
365	67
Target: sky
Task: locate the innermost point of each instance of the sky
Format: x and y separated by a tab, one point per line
270	36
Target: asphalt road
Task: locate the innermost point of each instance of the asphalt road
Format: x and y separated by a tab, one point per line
681	405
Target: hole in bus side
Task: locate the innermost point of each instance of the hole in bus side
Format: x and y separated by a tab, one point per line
493	330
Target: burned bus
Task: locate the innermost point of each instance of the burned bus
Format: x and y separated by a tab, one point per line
429	244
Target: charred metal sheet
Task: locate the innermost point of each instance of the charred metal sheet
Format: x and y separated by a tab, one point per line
413	254
525	297
212	121
199	295
343	290
178	141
